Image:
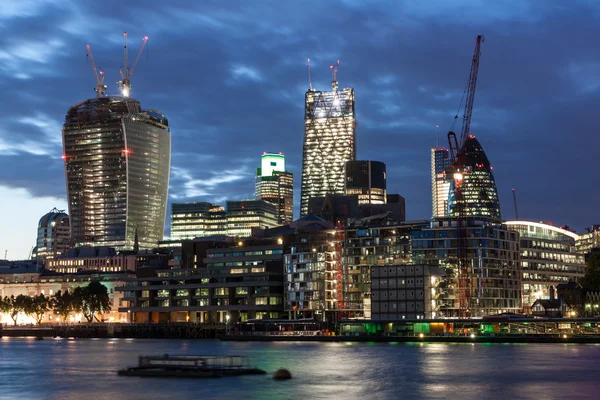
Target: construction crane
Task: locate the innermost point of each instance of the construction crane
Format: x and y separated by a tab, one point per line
457	172
334	70
126	71
515	203
310	88
100	87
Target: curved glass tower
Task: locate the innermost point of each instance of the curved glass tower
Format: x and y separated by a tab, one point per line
479	193
117	164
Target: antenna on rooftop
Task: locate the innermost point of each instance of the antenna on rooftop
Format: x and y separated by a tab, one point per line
334	70
309	80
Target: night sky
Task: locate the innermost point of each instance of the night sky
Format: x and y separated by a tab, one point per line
231	77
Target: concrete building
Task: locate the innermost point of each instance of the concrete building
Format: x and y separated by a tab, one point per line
230	281
588	240
103	259
548	258
244	215
367	180
31	281
404	291
440	161
276	186
329	142
53	235
492	282
117	161
197	219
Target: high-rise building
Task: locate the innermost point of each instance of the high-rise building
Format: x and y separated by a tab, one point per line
367	179
329	141
548	258
117	162
53	235
440	161
198	219
243	215
276	186
589	240
478	187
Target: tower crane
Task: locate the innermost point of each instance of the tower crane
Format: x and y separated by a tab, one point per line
457	172
100	87
126	71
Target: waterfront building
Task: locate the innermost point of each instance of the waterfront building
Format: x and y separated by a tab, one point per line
367	245
276	186
103	259
367	180
440	161
479	196
223	281
197	219
53	235
404	291
548	258
244	215
329	142
492	284
313	270
117	162
588	240
32	281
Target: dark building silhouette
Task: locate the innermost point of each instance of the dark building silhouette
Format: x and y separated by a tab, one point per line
366	179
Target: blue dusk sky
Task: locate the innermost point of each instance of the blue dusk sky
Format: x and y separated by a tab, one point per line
231	77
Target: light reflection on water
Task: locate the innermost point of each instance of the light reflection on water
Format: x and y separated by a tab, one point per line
86	369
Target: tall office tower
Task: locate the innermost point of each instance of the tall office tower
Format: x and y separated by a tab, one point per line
243	215
198	219
367	179
440	160
53	235
329	141
276	186
479	193
117	162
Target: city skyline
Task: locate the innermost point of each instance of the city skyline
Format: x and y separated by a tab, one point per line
407	82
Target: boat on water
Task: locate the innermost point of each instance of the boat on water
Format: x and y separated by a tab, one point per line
191	367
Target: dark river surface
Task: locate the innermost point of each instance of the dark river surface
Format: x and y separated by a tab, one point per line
87	369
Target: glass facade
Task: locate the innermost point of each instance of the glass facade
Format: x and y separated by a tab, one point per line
329	142
276	186
117	163
548	258
198	219
368	180
53	235
244	215
478	193
440	187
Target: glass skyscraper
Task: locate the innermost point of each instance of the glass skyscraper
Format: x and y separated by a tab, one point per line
117	164
276	186
440	160
368	180
478	191
329	142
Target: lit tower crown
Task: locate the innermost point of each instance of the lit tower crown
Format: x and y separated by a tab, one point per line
329	140
276	186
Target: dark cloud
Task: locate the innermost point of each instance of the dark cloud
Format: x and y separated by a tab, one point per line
231	78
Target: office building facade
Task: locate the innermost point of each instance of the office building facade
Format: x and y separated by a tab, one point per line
368	180
548	258
440	161
197	219
117	164
244	215
53	235
276	186
478	193
329	142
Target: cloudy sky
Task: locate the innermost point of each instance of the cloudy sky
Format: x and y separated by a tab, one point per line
231	76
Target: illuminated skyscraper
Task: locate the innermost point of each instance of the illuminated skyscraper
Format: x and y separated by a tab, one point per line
117	162
54	235
329	141
439	185
479	193
367	179
276	186
198	219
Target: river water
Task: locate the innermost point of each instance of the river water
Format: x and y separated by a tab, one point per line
86	369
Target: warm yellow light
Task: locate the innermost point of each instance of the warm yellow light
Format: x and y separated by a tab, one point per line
421	335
